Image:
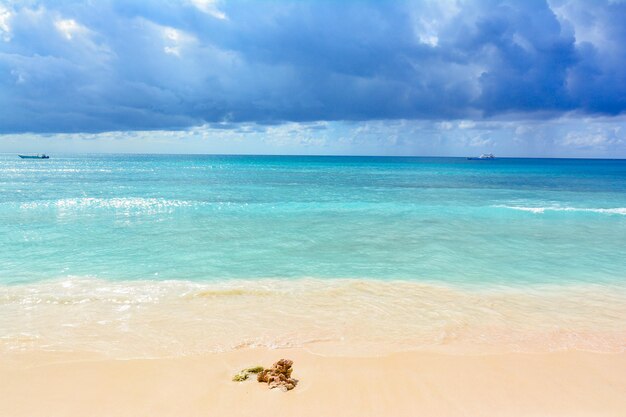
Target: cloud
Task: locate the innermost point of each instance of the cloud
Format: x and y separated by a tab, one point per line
68	27
209	7
5	28
567	136
71	66
594	138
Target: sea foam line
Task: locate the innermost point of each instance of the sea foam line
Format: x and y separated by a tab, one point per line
540	210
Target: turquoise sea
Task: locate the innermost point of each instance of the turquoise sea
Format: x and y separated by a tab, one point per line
213	217
170	254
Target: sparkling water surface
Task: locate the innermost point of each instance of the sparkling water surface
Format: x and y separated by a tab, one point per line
206	218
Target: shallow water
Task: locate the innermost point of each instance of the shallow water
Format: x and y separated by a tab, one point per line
102	251
170	318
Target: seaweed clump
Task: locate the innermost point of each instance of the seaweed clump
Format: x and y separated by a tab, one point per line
245	373
279	375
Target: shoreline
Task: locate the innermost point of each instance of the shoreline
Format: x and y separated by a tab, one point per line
134	319
88	347
570	383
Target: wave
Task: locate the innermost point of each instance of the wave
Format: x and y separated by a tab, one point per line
165	318
540	210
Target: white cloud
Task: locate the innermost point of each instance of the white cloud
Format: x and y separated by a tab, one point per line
431	17
427	33
568	137
209	7
5	27
295	134
587	23
479	142
467	124
69	28
524	130
597	139
175	40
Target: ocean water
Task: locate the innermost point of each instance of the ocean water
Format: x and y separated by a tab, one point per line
172	251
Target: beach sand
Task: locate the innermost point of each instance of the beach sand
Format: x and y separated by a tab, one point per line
571	383
82	348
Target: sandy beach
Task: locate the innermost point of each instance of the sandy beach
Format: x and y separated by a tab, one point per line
404	384
75	348
420	205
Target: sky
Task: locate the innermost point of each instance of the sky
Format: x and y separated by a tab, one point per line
413	77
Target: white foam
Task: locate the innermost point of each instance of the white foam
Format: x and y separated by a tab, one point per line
540	210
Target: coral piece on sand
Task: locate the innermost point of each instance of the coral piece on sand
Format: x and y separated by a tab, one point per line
279	375
245	373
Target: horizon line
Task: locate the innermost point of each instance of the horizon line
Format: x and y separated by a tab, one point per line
315	155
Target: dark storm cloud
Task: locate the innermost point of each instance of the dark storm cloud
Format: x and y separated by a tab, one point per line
71	66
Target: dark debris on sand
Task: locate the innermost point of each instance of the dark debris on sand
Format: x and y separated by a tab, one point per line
278	376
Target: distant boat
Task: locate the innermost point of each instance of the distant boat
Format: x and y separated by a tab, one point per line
482	157
38	156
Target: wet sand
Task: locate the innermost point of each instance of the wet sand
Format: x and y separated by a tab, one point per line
572	383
